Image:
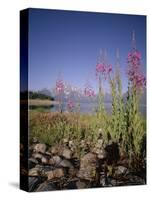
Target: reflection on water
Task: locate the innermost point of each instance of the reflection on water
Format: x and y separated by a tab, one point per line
86	107
41	108
90	107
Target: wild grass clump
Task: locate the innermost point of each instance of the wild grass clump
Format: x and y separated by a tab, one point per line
51	128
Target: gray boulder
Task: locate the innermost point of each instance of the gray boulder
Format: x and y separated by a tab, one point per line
56	173
67	153
88	167
40	148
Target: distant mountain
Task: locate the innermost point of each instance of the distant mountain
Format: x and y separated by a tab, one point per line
77	95
45	92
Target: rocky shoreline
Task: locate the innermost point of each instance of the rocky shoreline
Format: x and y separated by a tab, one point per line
57	167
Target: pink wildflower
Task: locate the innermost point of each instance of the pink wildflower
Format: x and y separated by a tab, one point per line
134	74
134	59
70	105
103	69
59	86
100	68
140	80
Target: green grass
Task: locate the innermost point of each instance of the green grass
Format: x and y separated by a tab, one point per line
52	128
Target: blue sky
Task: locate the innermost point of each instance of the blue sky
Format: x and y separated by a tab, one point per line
70	42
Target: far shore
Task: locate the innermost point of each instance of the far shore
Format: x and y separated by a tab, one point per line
39	102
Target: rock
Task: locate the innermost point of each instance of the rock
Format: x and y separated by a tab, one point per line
65	141
100	143
41	158
88	167
72	172
103	181
47	153
37	156
135	180
57	173
34	172
125	180
81	185
82	144
55	160
31	147
67	153
72	145
106	181
46	186
34	183
120	170
32	162
56	149
66	163
50	175
43	169
39	170
51	162
40	148
99	149
101	154
44	160
111	182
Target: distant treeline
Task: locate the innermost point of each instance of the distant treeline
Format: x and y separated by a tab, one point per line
35	95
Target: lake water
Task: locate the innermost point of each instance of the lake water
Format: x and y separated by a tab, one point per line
90	107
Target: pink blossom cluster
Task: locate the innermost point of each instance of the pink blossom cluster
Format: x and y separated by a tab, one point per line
134	59
138	79
100	68
70	105
134	74
103	69
60	86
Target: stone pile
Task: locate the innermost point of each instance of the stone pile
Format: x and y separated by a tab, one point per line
56	167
